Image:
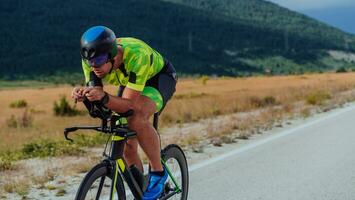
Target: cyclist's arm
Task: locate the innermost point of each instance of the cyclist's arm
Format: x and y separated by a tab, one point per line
127	102
139	69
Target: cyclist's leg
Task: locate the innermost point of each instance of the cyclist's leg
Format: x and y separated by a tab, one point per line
130	151
166	88
130	154
164	82
159	89
146	134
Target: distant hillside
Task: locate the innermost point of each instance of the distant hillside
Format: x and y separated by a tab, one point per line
223	37
269	15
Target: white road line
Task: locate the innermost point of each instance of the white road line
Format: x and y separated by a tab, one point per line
271	138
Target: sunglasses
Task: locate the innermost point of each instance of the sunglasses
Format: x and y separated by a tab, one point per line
98	61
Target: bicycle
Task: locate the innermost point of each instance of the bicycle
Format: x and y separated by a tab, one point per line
112	170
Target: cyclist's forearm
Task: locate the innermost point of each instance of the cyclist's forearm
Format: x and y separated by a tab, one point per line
119	104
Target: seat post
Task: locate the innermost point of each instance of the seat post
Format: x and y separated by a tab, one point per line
155	121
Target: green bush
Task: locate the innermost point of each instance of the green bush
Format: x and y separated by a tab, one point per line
62	108
269	100
5	164
262	102
204	79
341	70
19	104
90	141
7	159
11	122
45	148
318	98
26	120
60	193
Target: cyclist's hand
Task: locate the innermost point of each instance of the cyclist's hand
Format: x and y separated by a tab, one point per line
94	93
78	94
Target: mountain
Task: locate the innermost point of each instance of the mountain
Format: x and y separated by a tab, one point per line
341	17
271	16
224	37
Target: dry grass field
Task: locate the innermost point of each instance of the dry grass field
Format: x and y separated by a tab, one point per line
195	99
223	110
221	96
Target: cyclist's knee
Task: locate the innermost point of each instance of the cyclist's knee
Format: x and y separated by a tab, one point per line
142	114
137	121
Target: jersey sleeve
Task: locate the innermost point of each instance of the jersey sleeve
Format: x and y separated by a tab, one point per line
138	75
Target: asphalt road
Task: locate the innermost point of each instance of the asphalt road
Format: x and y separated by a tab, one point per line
315	160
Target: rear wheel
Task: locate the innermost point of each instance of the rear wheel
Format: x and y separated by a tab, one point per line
175	162
97	184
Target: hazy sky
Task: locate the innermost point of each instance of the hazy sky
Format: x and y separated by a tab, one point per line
313	4
337	13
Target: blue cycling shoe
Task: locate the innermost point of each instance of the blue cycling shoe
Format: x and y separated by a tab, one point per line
155	186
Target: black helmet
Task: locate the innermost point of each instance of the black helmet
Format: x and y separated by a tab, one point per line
96	41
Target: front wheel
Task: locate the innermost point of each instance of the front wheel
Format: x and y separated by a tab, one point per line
97	184
174	160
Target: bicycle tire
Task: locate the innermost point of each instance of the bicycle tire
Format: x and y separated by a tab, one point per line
97	172
173	151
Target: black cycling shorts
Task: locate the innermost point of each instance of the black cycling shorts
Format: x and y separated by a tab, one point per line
164	81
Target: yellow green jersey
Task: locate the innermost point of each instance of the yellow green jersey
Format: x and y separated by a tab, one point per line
140	63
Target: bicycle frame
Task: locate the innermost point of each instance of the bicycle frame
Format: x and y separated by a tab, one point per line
120	167
115	158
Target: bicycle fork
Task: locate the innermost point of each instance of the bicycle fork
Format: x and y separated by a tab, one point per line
119	165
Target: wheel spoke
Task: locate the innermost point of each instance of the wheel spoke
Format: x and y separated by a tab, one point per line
97	185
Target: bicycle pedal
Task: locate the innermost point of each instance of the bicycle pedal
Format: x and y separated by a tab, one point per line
167	188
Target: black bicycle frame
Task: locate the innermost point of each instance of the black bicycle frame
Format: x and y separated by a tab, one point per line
120	166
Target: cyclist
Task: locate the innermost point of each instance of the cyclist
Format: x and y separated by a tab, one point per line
147	81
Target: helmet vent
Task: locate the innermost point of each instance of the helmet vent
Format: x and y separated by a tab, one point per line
91	53
87	54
